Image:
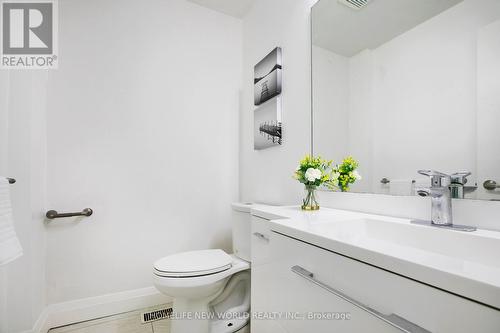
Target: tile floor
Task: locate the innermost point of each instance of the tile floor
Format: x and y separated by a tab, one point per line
129	322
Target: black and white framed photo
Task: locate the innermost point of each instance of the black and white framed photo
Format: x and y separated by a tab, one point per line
267	77
267	125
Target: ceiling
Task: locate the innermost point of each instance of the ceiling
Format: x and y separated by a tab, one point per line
346	31
236	8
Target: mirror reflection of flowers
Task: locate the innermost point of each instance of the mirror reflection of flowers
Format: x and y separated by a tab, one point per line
345	174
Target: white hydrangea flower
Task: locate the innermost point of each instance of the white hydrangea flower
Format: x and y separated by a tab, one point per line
335	176
356	175
313	174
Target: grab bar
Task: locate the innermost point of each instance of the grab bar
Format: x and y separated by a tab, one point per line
392	319
387	181
52	214
490	185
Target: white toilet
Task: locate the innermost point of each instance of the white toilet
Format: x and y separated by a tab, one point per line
211	289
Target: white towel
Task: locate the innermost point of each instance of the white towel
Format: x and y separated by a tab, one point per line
10	248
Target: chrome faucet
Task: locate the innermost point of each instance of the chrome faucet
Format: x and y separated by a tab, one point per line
440	194
457	186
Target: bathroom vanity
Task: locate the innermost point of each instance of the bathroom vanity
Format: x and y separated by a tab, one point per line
399	93
343	271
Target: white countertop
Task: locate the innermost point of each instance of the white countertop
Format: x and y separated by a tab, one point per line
467	274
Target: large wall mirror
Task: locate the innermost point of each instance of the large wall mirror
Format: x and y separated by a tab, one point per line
416	90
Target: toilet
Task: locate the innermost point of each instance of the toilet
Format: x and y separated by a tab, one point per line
210	288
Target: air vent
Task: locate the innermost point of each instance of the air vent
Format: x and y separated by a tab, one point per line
159	314
355	4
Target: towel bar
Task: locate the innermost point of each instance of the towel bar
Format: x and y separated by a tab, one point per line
387	181
490	185
52	214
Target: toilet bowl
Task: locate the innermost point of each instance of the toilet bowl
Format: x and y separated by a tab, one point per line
210	288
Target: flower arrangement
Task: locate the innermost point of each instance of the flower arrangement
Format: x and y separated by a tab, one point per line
345	174
315	171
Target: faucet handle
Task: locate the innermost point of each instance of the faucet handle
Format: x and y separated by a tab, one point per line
460	177
437	178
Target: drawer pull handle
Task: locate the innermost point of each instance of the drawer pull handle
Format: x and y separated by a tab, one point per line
392	319
261	236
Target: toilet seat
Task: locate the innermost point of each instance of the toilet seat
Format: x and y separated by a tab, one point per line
193	264
237	265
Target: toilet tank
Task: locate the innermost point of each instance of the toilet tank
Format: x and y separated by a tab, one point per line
241	223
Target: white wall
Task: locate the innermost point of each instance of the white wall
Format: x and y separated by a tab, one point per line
361	117
425	90
266	175
331	104
143	128
342	104
488	106
22	156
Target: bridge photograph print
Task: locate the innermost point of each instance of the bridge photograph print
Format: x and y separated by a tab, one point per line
267	77
267	125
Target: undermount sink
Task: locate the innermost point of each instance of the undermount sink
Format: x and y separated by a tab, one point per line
400	235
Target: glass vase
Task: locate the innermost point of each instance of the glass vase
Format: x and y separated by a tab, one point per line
310	202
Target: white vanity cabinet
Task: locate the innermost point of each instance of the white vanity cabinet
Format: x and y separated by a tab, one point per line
299	287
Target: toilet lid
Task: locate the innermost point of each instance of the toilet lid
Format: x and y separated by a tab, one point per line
194	263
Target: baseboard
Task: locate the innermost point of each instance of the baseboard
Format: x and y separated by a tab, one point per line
61	314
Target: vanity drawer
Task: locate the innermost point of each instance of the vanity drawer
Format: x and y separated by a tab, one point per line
337	280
